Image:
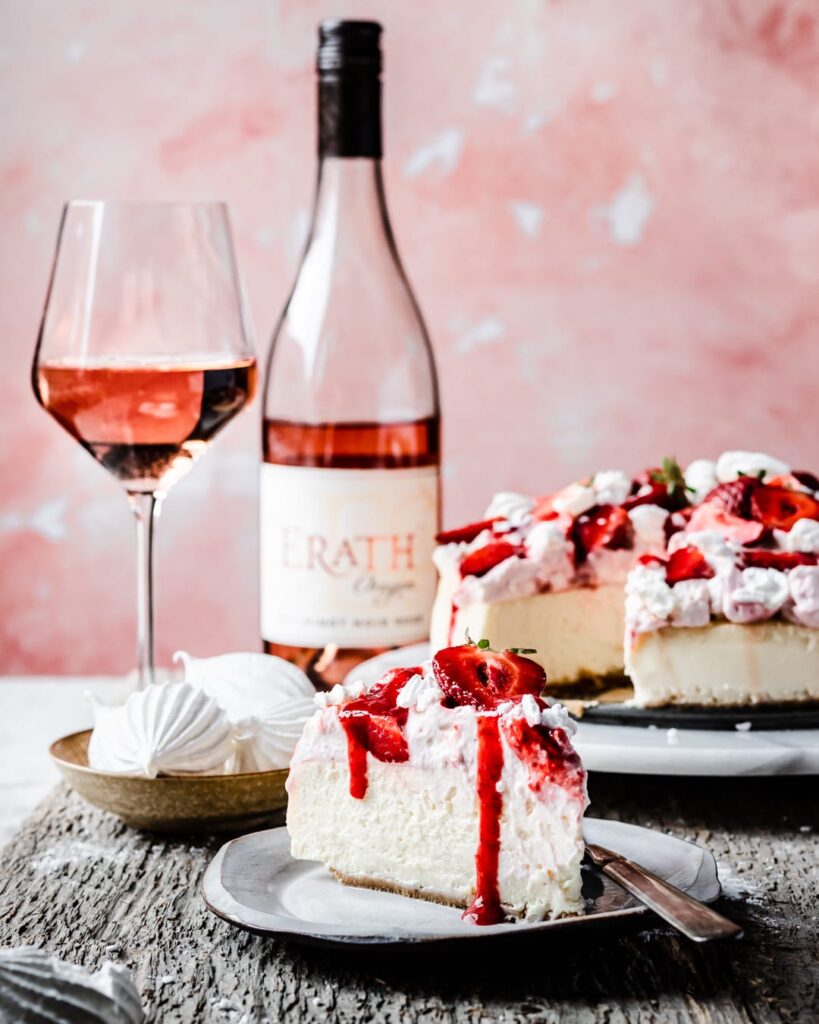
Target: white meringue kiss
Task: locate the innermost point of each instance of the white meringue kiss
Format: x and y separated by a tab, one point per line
167	729
267	701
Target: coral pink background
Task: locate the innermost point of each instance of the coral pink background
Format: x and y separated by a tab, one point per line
610	213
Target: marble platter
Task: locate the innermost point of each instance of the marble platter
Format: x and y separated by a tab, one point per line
650	750
255	884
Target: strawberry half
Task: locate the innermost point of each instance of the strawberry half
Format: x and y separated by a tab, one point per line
478	563
711	517
604	526
780	507
468	675
807	479
733	497
783	560
687	564
465	534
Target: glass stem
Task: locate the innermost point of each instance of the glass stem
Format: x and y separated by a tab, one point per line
146	510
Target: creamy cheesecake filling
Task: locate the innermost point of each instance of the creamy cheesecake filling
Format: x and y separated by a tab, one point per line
725	664
577	634
454	783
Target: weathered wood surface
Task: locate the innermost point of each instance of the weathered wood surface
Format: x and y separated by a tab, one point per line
80	884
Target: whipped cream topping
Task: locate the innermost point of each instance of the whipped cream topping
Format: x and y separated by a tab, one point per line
732	465
701	478
649	528
512	578
753	595
554	552
803	585
511	506
803	536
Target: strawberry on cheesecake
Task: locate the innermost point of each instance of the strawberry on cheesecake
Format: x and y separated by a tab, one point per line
549	572
453	781
730	614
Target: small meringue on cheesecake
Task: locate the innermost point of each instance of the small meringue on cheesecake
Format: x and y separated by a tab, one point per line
452	781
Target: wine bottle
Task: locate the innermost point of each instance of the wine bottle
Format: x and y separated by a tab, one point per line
351	438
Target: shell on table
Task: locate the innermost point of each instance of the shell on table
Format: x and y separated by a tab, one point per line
36	988
167	729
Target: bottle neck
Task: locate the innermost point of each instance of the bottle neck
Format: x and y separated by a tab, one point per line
350	202
350	115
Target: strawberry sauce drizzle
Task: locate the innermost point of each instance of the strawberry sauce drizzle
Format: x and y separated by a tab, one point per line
453	615
356	759
486	907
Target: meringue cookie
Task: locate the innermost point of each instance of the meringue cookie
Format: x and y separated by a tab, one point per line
803	607
701	477
511	506
266	699
753	595
38	988
731	464
165	729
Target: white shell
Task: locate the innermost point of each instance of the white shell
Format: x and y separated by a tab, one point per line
39	989
167	729
267	701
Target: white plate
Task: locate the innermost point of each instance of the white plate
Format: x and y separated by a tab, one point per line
254	883
641	750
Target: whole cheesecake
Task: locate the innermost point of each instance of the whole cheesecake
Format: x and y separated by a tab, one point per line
700	586
452	781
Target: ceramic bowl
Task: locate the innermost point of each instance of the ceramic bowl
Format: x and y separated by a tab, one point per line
195	803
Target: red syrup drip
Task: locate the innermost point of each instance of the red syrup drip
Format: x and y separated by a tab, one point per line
486	907
374	723
453	615
356	757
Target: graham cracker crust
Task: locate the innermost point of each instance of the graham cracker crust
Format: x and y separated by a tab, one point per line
380	885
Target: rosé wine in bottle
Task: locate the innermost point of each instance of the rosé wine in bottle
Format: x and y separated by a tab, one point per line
350	478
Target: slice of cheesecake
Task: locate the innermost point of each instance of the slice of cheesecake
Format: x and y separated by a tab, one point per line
453	782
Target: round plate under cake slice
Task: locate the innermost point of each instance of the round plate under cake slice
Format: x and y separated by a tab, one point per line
255	884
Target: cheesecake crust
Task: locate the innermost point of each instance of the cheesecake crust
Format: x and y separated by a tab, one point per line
378	884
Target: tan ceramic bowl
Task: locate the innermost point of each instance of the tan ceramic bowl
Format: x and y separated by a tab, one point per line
197	803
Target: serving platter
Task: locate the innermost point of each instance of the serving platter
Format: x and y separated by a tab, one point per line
255	884
175	804
615	737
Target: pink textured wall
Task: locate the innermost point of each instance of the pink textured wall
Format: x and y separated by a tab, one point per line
610	213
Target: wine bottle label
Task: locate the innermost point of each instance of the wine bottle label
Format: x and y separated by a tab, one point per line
346	555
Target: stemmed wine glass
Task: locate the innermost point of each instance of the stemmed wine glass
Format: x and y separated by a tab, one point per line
144	352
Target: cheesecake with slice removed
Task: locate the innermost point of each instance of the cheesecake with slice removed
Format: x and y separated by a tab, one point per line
710	574
452	781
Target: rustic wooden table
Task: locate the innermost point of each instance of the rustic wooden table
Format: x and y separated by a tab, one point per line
80	884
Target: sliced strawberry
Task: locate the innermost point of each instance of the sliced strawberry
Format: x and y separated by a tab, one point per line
604	526
544	508
783	560
687	564
647	494
807	479
465	534
383	696
650	560
385	739
711	517
733	497
469	675
780	507
478	563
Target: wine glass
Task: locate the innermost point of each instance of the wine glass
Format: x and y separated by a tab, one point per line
144	352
